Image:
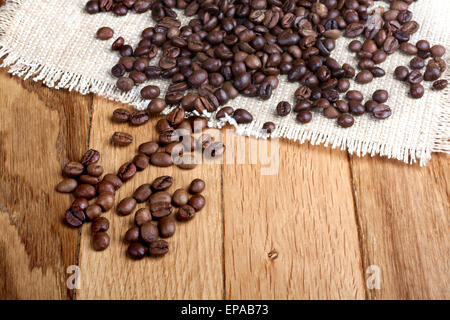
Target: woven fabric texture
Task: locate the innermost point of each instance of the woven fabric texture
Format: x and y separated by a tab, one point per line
54	42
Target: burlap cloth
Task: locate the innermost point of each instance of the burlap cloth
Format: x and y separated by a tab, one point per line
53	41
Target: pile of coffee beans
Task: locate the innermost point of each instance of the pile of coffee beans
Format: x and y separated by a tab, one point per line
434	69
157	221
83	180
241	47
118	7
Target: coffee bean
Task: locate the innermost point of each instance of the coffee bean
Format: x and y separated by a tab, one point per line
148	148
382	111
161	159
139	118
431	74
283	108
440	84
354	95
401	73
73	169
85	191
142	216
118	43
162	183
417	90
93	212
342	106
125	84
176	116
380	96
331	112
126	206
185	213
161	196
105	33
415	77
150	92
94	170
437	51
100	241
100	224
156	106
417	63
197	202
269	127
370	105
142	193
90	157
127	171
87	179
105	187
242	116
364	77
75	217
166	227
132	235
105	201
224	111
158	248
122	138
80	203
67	185
346	121
304	116
180	197
121	115
160	209
113	179
92	7
149	232
196	186
136	251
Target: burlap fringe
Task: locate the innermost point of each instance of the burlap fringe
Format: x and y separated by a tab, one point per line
58	79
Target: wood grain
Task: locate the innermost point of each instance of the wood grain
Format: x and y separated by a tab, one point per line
193	267
40	129
304	212
403	216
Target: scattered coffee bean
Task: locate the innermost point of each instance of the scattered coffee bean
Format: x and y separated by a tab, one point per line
75	217
105	33
346	121
136	251
162	183
100	224
126	206
122	138
142	216
380	96
100	241
158	248
166	227
283	108
149	232
93	212
105	201
67	185
132	235
73	169
196	186
440	84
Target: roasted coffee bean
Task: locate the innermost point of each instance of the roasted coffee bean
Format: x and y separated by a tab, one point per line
161	159
127	171
75	217
139	118
125	84
142	193
126	206
149	232
91	156
142	216
122	138
136	251
166	227
156	106
161	196
73	169
85	178
118	70
150	92
92	7
382	111
437	51
196	186
377	72
355	46
100	241
67	185
356	107
160	209
346	121
417	63
158	248
415	77
93	212
440	84
148	148
224	111
118	43
180	197
85	191
197	202
408	48
417	90
401	73
354	95
331	112
132	235
370	105
141	161
80	203
100	224
176	116
364	77
94	170
380	96
105	33
162	183
304	116
242	116
105	201
108	185
283	108
431	74
185	213
269	127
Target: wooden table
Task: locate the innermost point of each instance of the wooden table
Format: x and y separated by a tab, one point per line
336	221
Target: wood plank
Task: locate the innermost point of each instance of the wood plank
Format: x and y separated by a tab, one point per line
40	129
403	216
305	213
193	267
